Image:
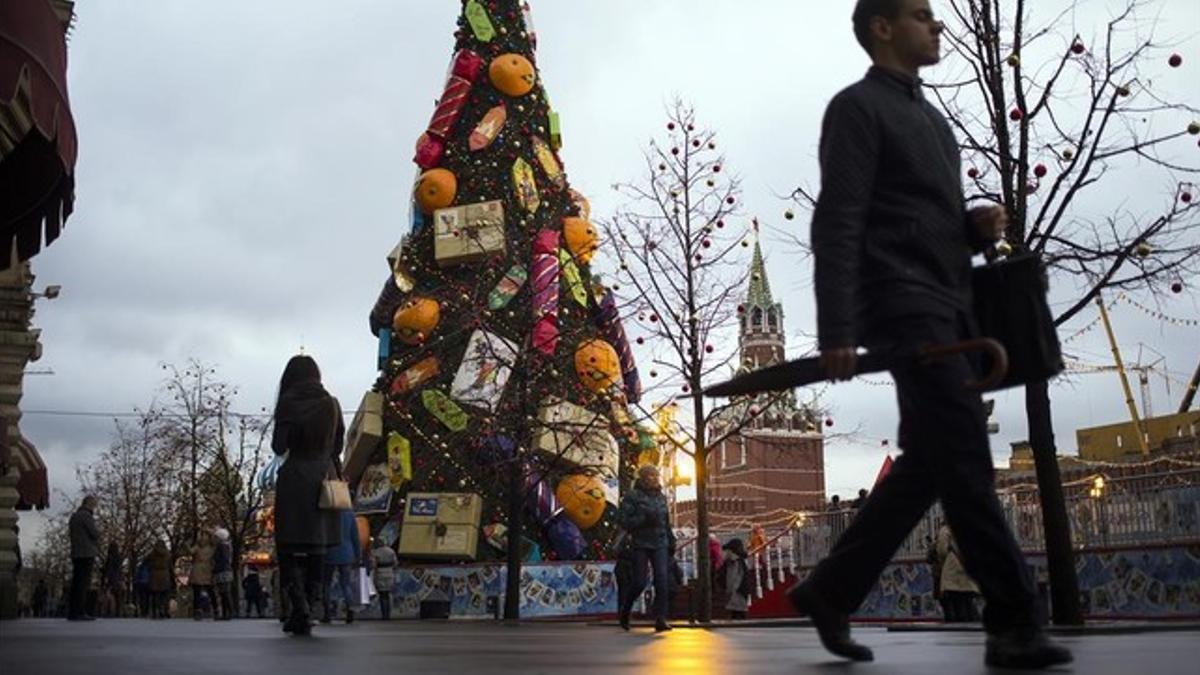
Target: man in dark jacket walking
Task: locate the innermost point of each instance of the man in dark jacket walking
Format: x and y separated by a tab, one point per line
85	547
892	241
644	515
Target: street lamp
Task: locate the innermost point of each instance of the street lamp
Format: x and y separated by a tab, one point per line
50	292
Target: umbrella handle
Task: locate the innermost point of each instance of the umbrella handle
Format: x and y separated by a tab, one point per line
992	347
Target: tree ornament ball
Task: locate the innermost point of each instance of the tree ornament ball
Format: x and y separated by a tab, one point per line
640	340
1185	197
710	183
787	215
1068	154
582	499
1040	170
1143	249
654	373
716	168
828	421
1193	128
416	319
597	365
706	243
1004	248
972	173
674	151
708	349
512	74
662	167
1015	114
1175	61
730	200
1122	91
695	142
436	189
745	244
1176	286
581	238
670	126
1014	60
1078	48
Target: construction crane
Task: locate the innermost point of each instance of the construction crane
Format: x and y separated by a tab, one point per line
1190	393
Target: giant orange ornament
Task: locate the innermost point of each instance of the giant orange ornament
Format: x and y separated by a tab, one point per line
581	237
597	364
512	74
415	320
582	499
436	189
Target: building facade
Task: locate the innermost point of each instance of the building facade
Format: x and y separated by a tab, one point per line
766	459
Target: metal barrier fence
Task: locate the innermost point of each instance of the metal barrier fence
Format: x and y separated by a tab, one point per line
1110	516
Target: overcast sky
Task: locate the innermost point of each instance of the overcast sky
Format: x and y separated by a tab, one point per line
244	168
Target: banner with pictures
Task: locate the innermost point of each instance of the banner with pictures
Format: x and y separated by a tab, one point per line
374	490
547	590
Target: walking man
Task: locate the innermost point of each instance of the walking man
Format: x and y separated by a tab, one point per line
892	241
85	547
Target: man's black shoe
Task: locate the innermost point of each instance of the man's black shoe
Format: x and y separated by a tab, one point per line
624	621
833	627
662	627
1027	648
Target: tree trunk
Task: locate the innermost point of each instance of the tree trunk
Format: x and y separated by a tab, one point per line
1060	558
703	565
516	506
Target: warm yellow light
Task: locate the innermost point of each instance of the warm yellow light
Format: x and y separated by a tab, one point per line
1098	483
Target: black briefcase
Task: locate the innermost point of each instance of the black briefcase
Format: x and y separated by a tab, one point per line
1010	307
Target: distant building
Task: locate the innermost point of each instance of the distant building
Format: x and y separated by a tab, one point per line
774	464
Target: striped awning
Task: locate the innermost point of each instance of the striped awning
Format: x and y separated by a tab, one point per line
37	132
33	486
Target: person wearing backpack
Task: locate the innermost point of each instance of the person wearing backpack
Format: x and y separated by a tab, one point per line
735	574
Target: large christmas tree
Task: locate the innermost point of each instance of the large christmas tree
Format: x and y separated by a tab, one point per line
505	372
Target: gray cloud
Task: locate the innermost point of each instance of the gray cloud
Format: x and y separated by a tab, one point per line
244	169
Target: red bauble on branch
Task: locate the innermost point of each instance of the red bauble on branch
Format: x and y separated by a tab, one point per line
1078	48
1175	61
1015	115
1040	170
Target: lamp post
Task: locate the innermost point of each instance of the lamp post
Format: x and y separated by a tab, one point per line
1096	492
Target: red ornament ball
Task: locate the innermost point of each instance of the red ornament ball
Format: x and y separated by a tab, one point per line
716	168
686	388
708	349
1078	48
828	421
741	309
641	340
1176	287
729	200
1186	197
674	151
720	223
654	373
670	126
706	243
1175	61
972	173
1015	115
696	143
754	410
1039	170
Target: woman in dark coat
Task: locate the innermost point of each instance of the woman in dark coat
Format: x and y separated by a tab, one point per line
309	430
645	516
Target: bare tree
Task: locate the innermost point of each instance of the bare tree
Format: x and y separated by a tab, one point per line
681	274
1052	123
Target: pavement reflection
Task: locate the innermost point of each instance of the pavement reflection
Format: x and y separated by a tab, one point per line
692	651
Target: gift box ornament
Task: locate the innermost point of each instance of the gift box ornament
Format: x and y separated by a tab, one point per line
385	348
468	233
441	525
364	434
555	131
484	370
477	18
399	460
507	288
488	128
565	538
540	498
573	436
445	410
411	378
544	285
525	186
550	164
464	70
570	274
606	317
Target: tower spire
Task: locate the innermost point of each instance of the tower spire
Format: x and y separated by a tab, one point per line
759	294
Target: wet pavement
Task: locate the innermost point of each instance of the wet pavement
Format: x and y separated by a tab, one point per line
114	647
